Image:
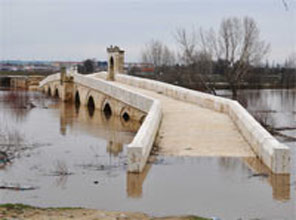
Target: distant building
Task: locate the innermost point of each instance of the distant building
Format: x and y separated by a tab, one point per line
8	68
141	69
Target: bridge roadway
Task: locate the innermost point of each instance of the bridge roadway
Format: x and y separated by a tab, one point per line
189	130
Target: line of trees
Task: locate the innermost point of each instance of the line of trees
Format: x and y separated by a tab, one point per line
158	54
234	51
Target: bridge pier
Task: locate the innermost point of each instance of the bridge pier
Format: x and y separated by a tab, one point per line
67	86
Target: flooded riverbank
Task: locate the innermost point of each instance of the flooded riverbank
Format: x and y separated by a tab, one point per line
74	159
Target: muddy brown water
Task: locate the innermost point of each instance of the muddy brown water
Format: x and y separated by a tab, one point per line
51	139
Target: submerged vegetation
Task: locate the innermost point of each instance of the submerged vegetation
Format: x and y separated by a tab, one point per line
266	121
13	141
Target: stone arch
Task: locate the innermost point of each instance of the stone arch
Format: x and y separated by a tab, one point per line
91	105
125	114
87	93
106	109
49	91
56	93
77	99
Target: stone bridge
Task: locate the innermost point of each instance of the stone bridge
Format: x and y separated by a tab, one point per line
178	121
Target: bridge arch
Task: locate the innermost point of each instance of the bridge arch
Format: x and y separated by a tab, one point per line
77	98
86	93
91	105
125	114
56	93
49	91
106	108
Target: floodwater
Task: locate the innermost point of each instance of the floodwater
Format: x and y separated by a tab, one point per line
74	159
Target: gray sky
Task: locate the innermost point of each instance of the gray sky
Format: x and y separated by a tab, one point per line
79	29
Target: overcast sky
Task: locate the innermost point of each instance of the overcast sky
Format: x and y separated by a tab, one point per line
79	29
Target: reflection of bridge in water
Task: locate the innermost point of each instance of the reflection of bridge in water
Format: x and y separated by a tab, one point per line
116	132
279	183
96	124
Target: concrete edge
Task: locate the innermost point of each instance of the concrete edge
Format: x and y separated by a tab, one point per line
139	150
274	154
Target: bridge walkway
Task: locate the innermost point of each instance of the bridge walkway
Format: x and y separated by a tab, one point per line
190	130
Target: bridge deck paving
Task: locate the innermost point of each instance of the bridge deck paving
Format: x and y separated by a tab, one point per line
189	130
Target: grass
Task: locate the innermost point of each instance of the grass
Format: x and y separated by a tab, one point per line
20	206
16	206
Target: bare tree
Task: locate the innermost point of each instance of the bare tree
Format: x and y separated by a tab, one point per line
197	60
291	61
289	72
158	54
188	45
285	5
238	46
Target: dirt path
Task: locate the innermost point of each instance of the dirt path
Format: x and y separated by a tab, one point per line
19	211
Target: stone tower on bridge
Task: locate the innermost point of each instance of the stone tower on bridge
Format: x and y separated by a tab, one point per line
115	61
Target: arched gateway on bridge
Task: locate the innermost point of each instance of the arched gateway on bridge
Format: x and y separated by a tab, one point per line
115	61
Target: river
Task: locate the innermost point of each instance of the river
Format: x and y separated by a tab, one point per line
72	158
